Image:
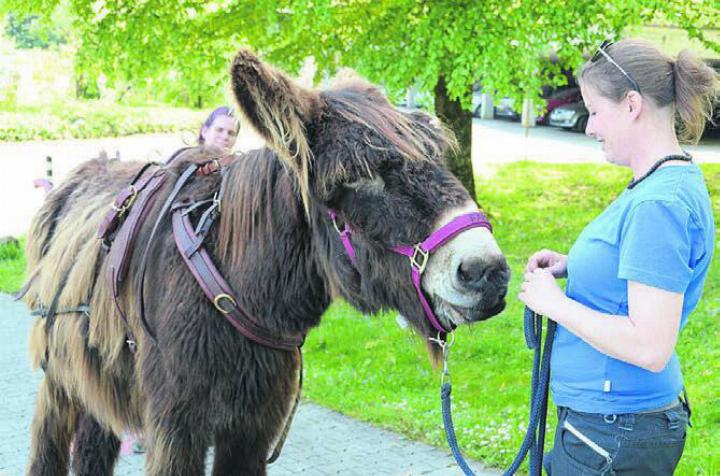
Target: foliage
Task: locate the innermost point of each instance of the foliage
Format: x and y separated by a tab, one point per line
441	47
88	119
397	43
29	32
371	369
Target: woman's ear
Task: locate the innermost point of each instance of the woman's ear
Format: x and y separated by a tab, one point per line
635	103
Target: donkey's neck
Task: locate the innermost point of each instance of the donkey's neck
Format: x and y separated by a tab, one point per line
266	248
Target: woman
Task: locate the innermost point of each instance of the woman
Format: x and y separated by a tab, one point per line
634	274
220	129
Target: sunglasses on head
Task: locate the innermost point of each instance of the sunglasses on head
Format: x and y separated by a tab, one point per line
602	52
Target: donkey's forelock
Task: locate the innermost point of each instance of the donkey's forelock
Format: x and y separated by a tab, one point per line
415	136
287	115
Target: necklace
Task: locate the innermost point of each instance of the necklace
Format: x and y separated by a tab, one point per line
685	158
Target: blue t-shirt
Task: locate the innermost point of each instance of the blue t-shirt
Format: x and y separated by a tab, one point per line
660	233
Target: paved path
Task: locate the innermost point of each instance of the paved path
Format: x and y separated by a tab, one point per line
321	442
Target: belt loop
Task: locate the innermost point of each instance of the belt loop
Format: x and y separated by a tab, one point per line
627	422
673	419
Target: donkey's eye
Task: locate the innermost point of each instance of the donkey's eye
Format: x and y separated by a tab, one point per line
375	185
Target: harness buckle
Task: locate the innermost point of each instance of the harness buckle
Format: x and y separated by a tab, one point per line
131	345
127	203
423	255
216	201
218	299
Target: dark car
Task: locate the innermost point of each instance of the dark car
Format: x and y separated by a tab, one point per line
554	98
572	116
505	110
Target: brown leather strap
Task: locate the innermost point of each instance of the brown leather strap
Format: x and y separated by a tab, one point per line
181	181
218	291
216	164
124	242
122	203
288	422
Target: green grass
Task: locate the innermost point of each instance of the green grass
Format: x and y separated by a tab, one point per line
371	369
12	266
89	119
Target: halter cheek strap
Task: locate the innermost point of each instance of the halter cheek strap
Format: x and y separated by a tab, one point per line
420	253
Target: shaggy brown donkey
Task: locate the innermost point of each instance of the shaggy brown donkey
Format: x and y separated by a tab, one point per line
201	383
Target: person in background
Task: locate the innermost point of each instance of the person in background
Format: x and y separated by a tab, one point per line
634	274
220	129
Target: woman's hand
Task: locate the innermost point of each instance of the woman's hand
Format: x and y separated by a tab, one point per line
541	293
549	260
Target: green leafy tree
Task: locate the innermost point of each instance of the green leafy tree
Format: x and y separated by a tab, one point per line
441	47
29	32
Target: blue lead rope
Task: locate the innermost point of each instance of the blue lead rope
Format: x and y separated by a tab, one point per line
534	440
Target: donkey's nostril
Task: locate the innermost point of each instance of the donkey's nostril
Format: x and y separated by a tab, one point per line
470	272
477	274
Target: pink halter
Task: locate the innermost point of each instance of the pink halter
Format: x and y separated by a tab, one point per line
419	253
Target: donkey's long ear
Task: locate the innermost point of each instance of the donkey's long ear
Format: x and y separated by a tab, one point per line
278	109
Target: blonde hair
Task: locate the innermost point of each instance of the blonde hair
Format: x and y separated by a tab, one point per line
687	84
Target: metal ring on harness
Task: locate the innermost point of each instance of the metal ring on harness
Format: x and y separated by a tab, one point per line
218	299
128	201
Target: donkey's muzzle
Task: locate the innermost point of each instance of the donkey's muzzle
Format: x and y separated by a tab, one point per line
489	279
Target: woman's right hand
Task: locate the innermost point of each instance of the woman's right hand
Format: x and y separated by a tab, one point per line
553	261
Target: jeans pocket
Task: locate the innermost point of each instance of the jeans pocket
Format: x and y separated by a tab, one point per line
583	449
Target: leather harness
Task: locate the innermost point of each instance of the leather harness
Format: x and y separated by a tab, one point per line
120	237
119	231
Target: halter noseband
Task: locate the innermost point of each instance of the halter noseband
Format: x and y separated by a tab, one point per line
420	253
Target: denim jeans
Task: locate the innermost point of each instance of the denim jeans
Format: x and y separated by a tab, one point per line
632	444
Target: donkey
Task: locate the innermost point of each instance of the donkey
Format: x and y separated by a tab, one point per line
344	151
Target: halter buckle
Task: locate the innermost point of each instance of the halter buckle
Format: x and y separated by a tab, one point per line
423	255
218	299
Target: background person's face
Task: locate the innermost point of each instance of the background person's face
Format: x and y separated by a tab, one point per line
222	133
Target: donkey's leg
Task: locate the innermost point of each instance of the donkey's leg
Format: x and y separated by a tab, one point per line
238	454
52	429
175	445
96	448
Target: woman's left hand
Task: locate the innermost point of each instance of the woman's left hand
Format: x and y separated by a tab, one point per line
541	293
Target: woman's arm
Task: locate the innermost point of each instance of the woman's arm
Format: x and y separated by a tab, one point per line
645	338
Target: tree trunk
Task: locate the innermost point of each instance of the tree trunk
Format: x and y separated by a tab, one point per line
459	121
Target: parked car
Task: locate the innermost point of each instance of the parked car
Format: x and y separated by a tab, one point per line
554	98
559	98
572	116
505	109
